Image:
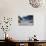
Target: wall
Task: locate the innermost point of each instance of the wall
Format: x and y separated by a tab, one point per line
14	8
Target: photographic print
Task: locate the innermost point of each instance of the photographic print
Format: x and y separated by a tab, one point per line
25	20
